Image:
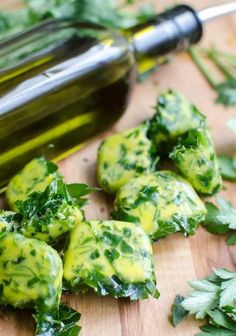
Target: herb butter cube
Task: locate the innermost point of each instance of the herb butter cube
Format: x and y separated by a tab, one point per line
161	203
30	273
48	215
195	158
111	257
35	176
174	116
123	156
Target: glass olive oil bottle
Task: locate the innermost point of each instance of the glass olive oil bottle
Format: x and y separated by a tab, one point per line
62	82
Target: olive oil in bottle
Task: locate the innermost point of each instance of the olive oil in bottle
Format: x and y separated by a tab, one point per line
62	82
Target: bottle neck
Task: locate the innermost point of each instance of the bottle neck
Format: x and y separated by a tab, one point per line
173	30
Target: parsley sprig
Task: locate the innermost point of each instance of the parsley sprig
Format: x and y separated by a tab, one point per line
226	63
61	322
228	167
212	298
221	220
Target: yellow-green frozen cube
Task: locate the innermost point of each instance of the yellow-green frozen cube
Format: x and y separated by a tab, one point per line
123	156
111	257
30	273
35	176
196	159
160	203
174	116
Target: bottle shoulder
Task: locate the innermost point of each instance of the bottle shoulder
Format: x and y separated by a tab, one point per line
59	52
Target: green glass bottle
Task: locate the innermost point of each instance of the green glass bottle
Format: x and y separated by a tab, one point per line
63	82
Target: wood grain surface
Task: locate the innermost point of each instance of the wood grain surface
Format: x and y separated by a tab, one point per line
177	259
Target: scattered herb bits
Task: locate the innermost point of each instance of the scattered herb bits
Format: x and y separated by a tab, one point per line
111	257
35	176
195	158
161	203
30	273
174	116
123	156
48	207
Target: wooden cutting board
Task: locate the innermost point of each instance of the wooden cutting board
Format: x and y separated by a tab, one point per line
177	259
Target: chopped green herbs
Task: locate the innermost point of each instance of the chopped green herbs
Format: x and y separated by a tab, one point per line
161	203
49	208
221	220
111	257
212	298
195	157
60	322
50	214
9	221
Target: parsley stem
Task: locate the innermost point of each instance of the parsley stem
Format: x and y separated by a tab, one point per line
231	58
215	58
202	67
228	57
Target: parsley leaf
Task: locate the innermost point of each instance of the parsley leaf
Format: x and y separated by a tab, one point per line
226	92
204	297
222	320
216	291
212	223
210	330
228	214
214	298
228	167
232	239
178	311
106	13
50	214
59	323
220	220
228	287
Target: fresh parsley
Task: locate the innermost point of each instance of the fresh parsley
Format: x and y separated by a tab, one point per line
61	322
226	90
50	214
212	298
107	13
228	167
221	220
178	311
